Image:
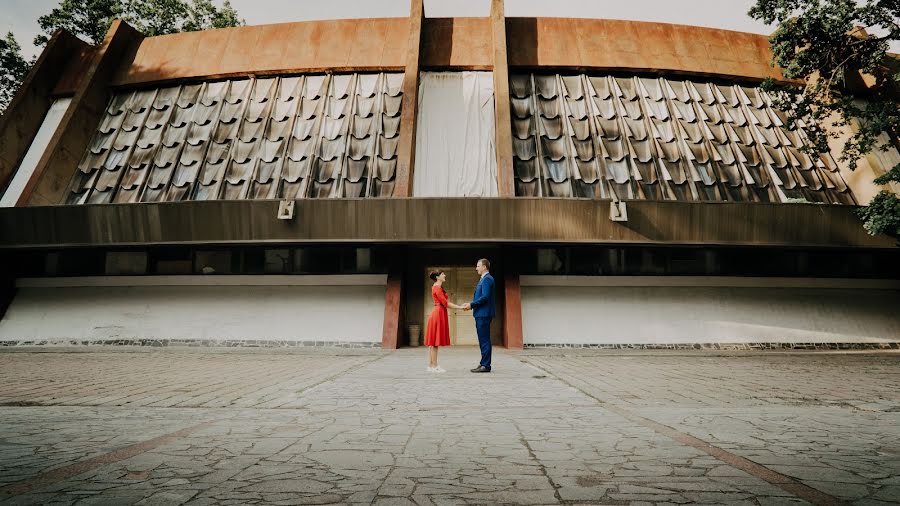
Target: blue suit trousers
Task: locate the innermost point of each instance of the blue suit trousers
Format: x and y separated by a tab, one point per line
483	328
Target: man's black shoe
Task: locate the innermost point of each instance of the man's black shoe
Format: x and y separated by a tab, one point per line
481	368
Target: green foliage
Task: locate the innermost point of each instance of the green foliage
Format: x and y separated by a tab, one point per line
205	15
88	19
830	44
882	215
159	17
13	68
800	200
156	17
91	19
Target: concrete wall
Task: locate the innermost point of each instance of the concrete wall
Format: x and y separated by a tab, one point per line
349	310
707	310
869	167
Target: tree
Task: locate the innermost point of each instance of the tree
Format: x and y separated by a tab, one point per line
159	17
832	46
91	19
205	15
13	68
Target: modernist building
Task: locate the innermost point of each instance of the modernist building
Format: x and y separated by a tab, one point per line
293	183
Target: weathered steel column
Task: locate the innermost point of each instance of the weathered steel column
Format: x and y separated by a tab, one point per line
56	167
390	334
406	150
512	312
22	119
502	124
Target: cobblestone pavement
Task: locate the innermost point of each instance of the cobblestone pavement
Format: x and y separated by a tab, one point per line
372	427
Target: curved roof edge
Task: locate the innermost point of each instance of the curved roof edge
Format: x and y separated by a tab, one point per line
381	44
638	46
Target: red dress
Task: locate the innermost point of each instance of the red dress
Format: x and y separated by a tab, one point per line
437	331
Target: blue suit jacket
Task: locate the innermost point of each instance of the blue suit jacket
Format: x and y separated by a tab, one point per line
483	302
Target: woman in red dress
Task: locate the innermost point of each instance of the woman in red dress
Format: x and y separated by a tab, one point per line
437	331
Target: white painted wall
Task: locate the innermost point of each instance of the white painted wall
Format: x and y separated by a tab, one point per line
348	312
35	152
578	311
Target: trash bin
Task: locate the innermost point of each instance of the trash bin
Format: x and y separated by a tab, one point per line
415	333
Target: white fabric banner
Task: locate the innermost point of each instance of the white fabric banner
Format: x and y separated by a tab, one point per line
455	154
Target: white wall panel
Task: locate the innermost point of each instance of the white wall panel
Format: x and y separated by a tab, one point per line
707	314
295	313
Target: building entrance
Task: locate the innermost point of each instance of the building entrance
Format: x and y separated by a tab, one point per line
460	286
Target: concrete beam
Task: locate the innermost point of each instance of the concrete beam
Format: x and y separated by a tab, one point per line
56	167
22	119
406	150
502	123
420	220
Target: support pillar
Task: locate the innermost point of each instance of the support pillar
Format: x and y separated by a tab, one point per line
512	313
502	122
409	109
7	285
390	334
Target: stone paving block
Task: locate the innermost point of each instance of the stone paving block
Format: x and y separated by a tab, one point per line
888	493
780	501
377	428
819	474
168	498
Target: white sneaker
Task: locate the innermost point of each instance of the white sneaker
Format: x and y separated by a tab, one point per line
439	369
431	369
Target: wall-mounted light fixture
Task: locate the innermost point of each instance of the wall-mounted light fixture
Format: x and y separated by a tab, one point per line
617	211
286	210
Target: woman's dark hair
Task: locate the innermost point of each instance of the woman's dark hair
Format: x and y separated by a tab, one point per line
434	275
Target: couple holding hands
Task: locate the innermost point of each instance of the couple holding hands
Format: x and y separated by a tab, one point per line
437	331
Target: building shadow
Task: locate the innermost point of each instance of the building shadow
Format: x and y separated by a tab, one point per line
437	43
522	42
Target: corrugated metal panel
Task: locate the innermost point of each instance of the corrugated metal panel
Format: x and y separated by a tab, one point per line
319	136
661	139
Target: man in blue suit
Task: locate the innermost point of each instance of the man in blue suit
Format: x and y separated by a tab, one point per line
482	307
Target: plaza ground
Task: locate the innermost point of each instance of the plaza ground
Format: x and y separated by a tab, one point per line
113	425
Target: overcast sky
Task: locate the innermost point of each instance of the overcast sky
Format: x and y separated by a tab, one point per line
20	16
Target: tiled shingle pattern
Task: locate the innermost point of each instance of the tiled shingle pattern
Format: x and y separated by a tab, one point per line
314	136
660	139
